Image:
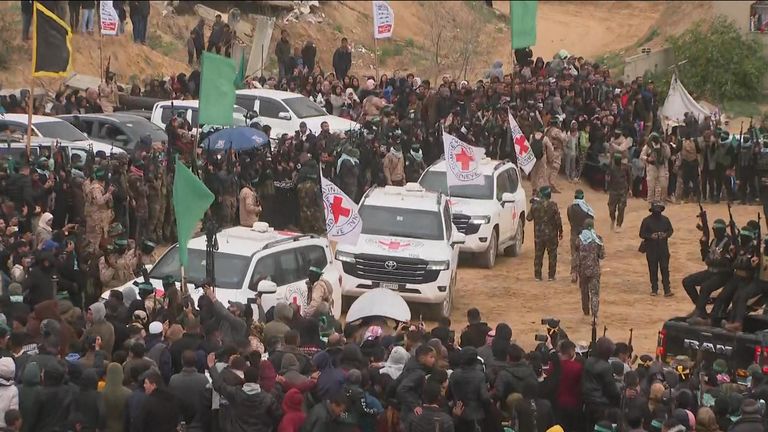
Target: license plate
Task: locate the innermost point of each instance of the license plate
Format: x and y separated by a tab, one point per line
388	285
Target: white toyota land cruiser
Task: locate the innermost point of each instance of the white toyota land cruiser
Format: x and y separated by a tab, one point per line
408	244
491	215
249	254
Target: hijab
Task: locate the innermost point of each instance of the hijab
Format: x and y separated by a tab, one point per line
395	363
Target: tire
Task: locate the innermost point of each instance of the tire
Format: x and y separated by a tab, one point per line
487	259
443	310
514	249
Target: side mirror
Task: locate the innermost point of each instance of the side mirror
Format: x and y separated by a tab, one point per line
507	197
458	238
266	287
284	115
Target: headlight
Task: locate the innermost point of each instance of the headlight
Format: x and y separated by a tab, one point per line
345	257
438	265
480	220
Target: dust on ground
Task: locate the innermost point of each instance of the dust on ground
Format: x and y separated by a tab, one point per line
510	294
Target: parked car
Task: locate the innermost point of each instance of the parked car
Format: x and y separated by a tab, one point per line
284	111
52	127
163	111
118	129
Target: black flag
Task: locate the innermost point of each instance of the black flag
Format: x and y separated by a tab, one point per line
51	44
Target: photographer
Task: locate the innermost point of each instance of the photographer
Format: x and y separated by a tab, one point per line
599	389
232	322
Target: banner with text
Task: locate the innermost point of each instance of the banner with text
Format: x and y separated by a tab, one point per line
383	20
109	18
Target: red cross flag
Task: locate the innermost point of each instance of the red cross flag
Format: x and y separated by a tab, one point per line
462	161
525	156
342	221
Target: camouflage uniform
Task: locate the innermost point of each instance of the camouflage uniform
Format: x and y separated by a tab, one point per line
138	192
227	199
156	205
250	210
547	228
618	188
108	271
311	215
588	256
322	291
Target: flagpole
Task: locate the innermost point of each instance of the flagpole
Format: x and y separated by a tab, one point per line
184	290
30	107
101	55
376	57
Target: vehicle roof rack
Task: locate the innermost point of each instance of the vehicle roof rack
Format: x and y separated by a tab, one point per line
291	239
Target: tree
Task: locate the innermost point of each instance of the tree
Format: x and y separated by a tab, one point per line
720	62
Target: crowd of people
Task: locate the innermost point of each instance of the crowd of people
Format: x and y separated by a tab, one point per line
148	360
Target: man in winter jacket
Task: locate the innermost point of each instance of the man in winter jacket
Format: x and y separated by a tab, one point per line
474	334
283	54
511	376
467	386
342	60
160	410
410	383
598	388
188	386
253	410
324	417
750	420
97	325
432	416
232	324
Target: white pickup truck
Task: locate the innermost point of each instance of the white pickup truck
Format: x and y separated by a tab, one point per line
408	244
491	215
248	254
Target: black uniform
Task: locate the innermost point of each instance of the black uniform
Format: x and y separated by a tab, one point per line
743	274
718	273
655	230
759	286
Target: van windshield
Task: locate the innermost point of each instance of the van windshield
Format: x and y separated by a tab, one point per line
435	181
402	222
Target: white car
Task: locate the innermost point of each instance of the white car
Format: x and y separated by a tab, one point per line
408	244
491	215
164	110
247	254
284	111
52	127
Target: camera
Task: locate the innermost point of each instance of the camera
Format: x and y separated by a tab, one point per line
550	322
540	338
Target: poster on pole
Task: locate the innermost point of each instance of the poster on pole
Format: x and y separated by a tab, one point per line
109	19
383	20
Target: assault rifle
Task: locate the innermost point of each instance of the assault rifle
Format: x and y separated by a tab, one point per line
703	226
629	342
732	226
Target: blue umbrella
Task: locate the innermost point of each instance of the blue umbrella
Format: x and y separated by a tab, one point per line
238	139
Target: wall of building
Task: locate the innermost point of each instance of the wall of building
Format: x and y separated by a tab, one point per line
738	11
639	64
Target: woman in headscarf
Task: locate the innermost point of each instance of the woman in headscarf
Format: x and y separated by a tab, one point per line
293	415
29	391
330	381
9	394
44	230
309	336
115	399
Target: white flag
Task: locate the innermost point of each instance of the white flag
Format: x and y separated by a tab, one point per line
525	157
109	19
342	220
462	161
383	20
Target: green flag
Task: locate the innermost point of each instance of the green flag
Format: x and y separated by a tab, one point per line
522	21
217	90
240	77
190	201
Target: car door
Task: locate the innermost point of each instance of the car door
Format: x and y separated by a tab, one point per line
284	269
518	207
449	230
506	219
269	113
108	132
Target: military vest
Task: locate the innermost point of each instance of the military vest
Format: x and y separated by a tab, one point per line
537	146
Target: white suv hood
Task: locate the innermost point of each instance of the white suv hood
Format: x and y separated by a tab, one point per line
337	124
473	207
430	250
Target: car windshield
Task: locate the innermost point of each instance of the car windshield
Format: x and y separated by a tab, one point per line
435	181
401	222
304	108
139	128
59	129
230	269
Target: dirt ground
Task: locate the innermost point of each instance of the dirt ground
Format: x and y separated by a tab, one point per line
510	294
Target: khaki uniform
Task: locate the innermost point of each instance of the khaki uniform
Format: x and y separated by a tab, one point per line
394	168
125	266
322	291
539	173
657	170
108	273
108	96
250	210
557	139
99	214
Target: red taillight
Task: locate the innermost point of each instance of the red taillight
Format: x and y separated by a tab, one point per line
661	345
758	354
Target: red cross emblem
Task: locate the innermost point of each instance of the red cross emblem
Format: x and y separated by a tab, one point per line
463	158
338	209
394	244
521	142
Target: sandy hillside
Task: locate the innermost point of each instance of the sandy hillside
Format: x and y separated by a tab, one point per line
583	28
510	294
